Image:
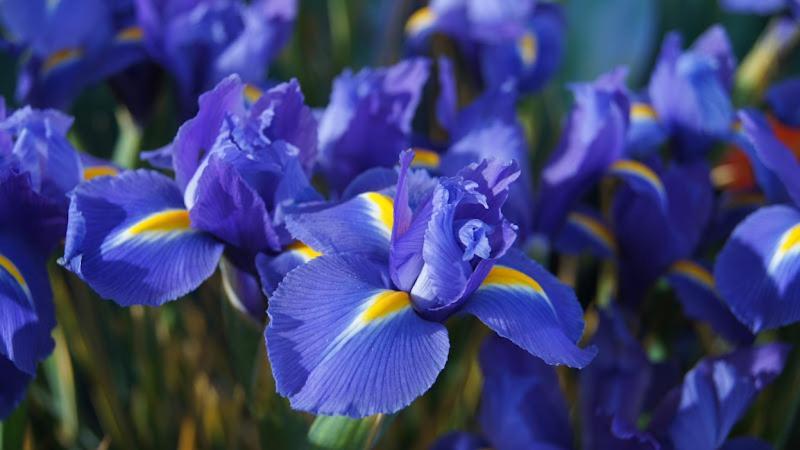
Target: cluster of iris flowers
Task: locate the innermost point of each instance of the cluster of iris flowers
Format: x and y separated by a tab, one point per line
354	238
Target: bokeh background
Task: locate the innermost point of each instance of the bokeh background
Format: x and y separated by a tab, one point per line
193	374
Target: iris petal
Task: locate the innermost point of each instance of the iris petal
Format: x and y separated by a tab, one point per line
130	239
342	342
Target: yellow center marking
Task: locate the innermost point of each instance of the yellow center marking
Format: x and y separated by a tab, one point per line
131	34
252	93
61	57
304	250
425	158
506	276
99	171
643	111
694	271
595	228
638	169
421	19
790	240
164	221
384	208
528	48
385	304
9	266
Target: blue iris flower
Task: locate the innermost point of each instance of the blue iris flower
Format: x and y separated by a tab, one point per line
202	42
38	167
762	7
782	98
359	330
520	41
757	269
143	238
523	407
690	91
69	45
367	122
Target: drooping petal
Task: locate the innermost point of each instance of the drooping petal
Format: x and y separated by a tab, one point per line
459	440
641	179
522	302
341	342
696	291
30	227
362	224
130	238
646	132
757	269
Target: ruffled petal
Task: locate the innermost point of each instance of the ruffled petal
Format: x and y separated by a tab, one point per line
525	304
341	342
130	238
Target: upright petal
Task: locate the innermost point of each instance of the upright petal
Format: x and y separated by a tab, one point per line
758	269
525	304
342	342
130	238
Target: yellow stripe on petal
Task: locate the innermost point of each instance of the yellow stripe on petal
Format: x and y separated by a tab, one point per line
99	171
162	222
9	267
385	304
60	58
528	48
638	170
420	20
643	111
252	93
595	228
306	252
694	272
382	209
425	158
130	34
507	277
790	240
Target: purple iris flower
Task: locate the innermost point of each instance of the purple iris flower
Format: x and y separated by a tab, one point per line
38	167
757	269
31	225
519	41
70	45
143	238
690	91
359	330
202	42
367	122
715	394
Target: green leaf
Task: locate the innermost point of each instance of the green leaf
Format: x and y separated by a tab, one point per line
339	432
12	429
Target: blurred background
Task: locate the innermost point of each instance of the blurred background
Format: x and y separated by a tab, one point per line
193	374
